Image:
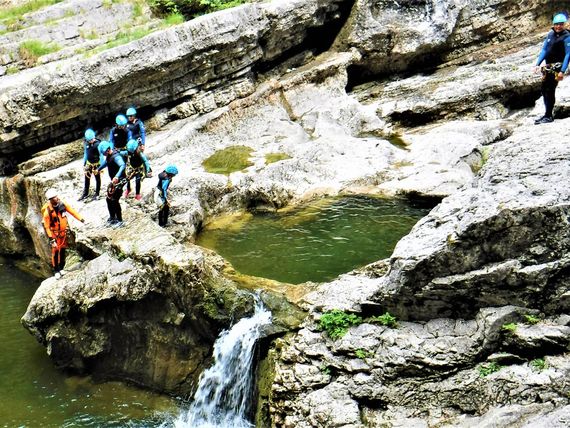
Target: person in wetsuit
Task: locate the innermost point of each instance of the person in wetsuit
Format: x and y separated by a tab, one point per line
161	193
91	161
54	217
137	167
555	54
120	134
116	167
136	127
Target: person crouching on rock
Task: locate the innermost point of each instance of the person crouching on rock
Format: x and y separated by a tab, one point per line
91	161
137	167
115	164
161	193
54	213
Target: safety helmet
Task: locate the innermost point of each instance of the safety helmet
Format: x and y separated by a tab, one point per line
104	146
89	135
131	111
559	18
51	193
171	169
121	120
132	146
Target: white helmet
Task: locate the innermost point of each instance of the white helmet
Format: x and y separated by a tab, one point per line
51	193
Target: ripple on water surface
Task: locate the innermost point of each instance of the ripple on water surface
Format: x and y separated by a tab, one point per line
316	242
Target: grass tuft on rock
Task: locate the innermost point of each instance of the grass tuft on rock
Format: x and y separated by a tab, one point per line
16	12
228	160
191	8
31	50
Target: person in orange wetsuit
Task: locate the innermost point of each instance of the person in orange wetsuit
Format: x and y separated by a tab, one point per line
54	213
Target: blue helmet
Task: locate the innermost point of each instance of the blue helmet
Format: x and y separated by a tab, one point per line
132	145
171	169
121	120
104	146
559	18
131	111
89	135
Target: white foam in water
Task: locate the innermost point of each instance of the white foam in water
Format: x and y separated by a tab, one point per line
223	396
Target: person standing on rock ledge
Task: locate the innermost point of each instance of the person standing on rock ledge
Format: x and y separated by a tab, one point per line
136	127
161	193
120	134
556	54
91	161
116	166
54	214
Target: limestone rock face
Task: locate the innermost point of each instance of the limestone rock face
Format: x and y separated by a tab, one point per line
145	304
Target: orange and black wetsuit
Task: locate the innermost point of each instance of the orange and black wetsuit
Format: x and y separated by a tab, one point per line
56	225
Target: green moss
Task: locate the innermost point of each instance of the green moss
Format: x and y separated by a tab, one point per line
31	50
228	160
275	157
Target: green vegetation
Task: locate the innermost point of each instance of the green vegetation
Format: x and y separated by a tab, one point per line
275	157
191	8
387	319
11	69
531	319
538	364
122	38
16	12
488	368
337	322
510	327
325	369
173	19
31	50
362	354
228	160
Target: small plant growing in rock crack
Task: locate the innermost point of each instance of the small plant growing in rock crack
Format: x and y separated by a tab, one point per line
387	320
510	327
538	364
362	354
531	319
337	322
325	369
489	368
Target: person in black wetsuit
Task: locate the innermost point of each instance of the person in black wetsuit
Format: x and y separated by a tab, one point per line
91	161
116	167
555	54
136	127
120	134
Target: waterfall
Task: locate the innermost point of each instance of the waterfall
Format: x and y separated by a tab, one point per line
224	391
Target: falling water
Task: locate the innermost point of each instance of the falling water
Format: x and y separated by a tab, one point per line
223	397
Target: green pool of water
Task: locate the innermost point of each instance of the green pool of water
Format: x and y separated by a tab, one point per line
34	394
316	242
